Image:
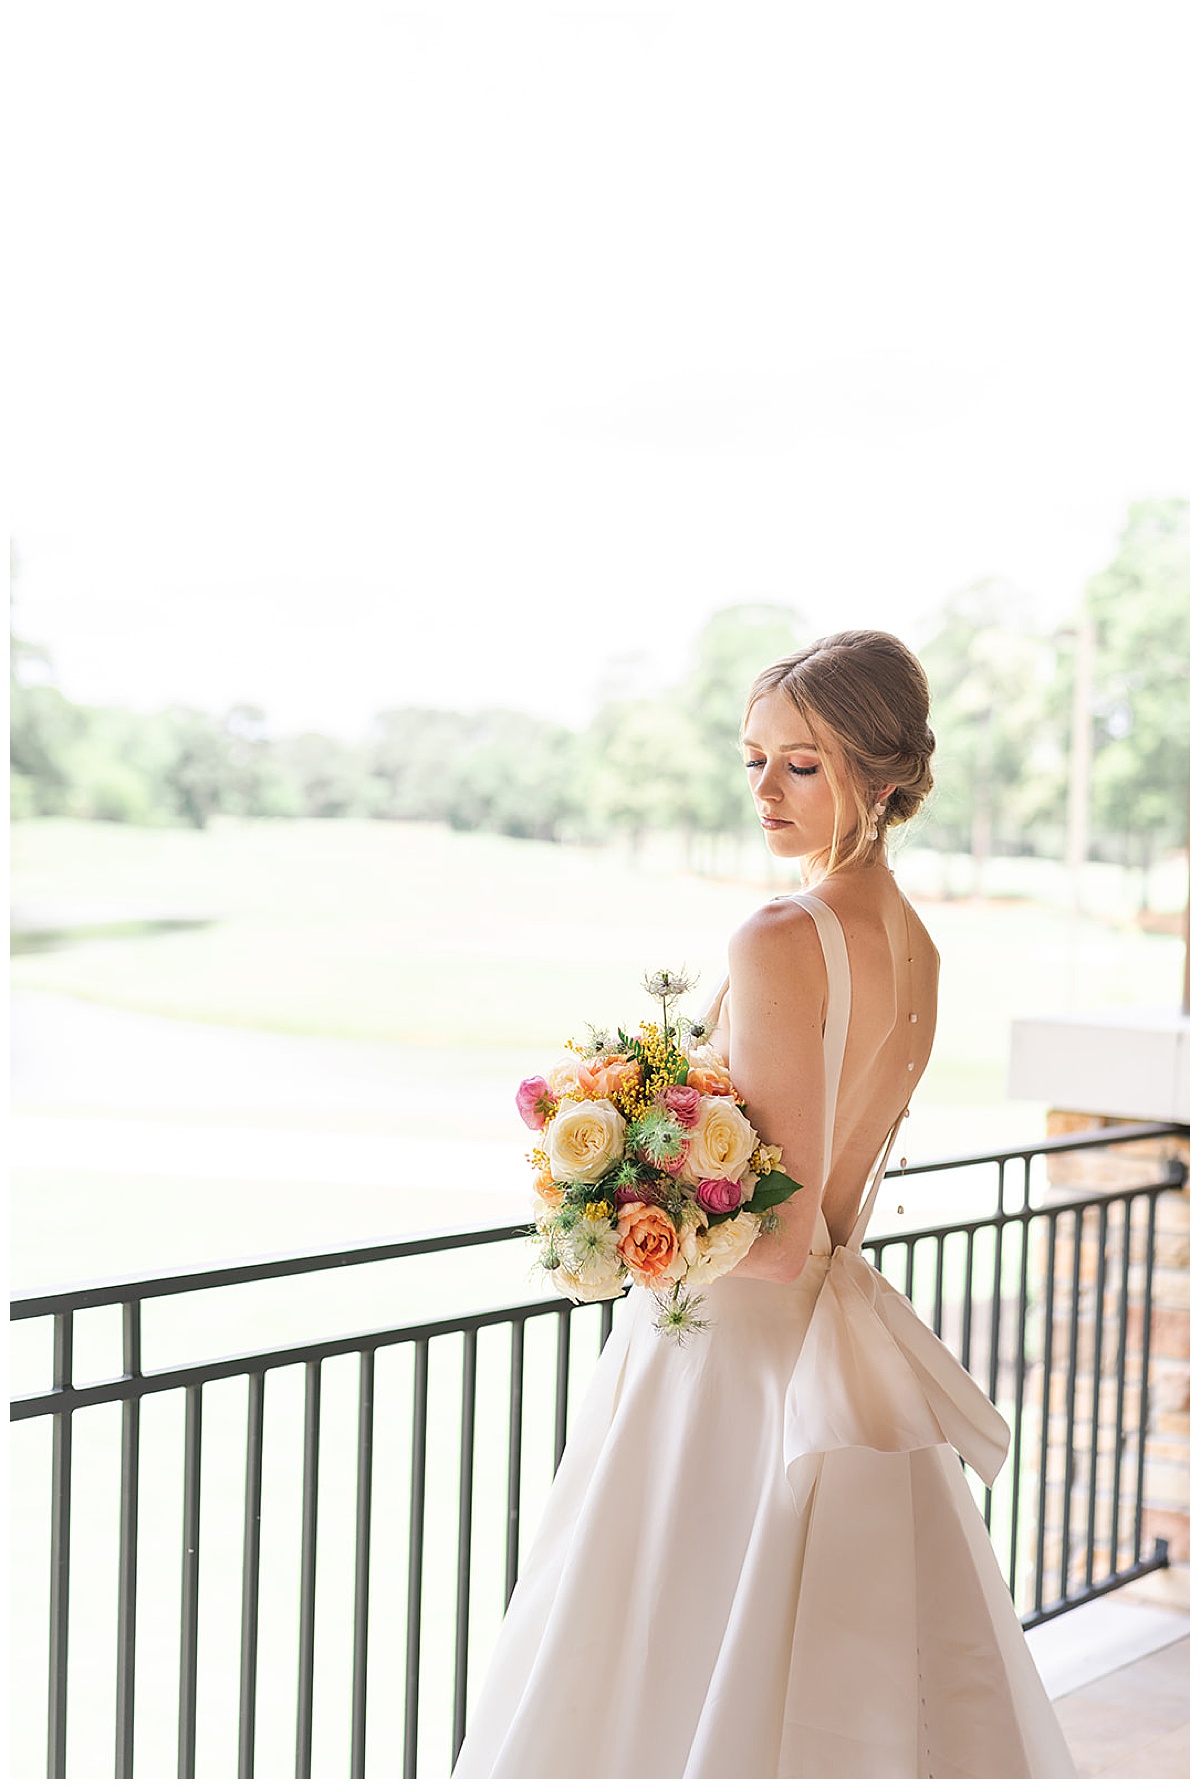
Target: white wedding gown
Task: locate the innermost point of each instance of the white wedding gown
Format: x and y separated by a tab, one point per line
759	1557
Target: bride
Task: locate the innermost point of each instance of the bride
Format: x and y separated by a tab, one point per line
759	1557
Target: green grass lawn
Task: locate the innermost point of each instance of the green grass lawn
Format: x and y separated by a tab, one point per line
482	946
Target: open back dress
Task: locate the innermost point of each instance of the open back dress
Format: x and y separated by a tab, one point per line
760	1557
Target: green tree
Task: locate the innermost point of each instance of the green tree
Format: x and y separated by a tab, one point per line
495	770
197	775
1000	765
331	776
645	770
1139	607
733	646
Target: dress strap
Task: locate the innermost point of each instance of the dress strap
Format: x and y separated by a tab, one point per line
868	1204
837	1012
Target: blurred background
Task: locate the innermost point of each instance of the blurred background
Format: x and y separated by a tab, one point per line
429	418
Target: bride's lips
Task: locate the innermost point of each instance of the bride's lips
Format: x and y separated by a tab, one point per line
772	824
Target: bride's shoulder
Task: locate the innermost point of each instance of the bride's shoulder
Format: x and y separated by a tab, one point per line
781	930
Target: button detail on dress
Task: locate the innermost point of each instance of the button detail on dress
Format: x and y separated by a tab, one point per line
912	1018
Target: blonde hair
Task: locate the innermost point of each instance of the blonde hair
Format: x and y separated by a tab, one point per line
871	695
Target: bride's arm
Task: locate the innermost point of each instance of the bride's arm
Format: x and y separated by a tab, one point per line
777	990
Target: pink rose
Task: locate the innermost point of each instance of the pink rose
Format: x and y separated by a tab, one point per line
675	1165
681	1103
536	1102
719	1196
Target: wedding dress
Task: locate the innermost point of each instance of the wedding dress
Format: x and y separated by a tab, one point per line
760	1557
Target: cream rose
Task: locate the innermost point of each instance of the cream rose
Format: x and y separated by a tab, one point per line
584	1139
722	1247
721	1142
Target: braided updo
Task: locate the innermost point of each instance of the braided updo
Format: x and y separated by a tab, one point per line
871	695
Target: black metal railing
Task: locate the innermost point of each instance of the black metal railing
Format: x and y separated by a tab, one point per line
1045	1296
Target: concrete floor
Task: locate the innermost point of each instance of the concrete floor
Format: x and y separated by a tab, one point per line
1118	1671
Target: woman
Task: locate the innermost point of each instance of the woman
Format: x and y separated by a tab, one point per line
759	1557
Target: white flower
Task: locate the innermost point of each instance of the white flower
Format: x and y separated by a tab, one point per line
691	1227
590	1265
721	1247
722	1141
584	1139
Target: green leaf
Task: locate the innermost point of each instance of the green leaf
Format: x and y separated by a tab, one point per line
772	1189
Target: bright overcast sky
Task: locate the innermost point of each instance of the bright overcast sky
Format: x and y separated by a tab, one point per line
375	353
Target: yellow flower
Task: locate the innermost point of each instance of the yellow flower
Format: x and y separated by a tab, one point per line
596	1210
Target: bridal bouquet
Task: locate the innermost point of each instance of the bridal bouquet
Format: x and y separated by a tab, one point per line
647	1168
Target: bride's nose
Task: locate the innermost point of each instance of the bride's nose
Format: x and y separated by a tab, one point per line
769	786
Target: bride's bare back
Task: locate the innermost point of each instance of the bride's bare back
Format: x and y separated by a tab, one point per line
769	1029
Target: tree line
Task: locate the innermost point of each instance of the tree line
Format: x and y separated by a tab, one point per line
1003	690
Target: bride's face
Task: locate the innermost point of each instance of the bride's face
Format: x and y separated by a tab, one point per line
793	767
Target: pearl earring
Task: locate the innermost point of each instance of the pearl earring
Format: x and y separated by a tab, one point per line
879	810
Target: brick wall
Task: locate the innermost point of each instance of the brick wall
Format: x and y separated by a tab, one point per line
1166	1489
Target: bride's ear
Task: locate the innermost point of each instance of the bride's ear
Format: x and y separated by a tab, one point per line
888	789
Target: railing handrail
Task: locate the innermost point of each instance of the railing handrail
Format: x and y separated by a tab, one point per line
50	1301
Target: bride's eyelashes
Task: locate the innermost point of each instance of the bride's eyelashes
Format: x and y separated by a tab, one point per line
796	769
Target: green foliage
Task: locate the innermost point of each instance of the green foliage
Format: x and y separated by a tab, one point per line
1139	607
1000	764
674	761
496	771
772	1189
1002	694
735	644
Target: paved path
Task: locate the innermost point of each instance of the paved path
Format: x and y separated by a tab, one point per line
1117	1670
1132	1723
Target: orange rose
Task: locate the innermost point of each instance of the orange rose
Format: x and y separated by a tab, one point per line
545	1188
647	1243
708	1075
605	1075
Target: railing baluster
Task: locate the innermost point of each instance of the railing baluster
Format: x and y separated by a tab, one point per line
1120	1371
561	1385
994	1339
1097	1375
190	1589
1019	1391
1060	1462
1144	1402
416	1552
131	1411
516	1404
1039	1601
362	1562
1064	1573
308	1568
60	1551
251	1541
466	1488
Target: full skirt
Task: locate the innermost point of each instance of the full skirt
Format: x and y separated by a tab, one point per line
760	1558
